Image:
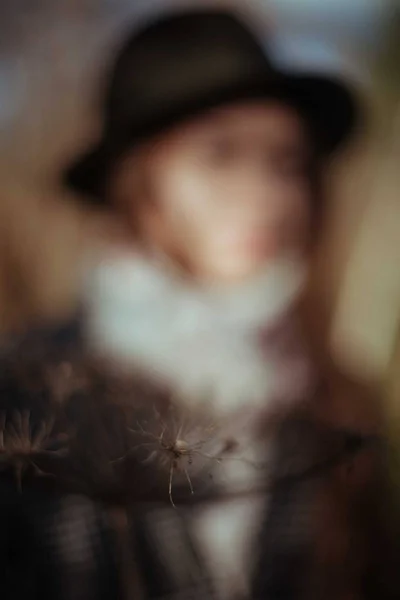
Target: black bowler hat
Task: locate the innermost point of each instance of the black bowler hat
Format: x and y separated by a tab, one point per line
187	62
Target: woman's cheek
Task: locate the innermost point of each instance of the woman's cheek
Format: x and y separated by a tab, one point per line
296	220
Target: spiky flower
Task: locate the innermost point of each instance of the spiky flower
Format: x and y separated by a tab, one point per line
189	448
22	444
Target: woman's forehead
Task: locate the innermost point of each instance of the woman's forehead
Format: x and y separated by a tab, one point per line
255	123
257	118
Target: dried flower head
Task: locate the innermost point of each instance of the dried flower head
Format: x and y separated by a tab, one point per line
22	443
187	447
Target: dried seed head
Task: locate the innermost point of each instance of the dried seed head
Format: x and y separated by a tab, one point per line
181	446
22	443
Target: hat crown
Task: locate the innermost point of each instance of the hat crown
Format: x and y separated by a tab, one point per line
180	56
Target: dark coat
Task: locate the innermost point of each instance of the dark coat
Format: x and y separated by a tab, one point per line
81	518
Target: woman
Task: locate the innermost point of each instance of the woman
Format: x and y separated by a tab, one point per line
197	443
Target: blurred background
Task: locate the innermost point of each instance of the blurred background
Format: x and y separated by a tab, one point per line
52	55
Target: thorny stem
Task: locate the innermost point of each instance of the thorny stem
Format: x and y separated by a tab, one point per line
219	459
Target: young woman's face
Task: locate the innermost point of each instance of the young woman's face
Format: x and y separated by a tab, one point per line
226	193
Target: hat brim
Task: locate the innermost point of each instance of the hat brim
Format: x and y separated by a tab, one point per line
328	106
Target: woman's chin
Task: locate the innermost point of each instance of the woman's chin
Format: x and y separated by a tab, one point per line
235	272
